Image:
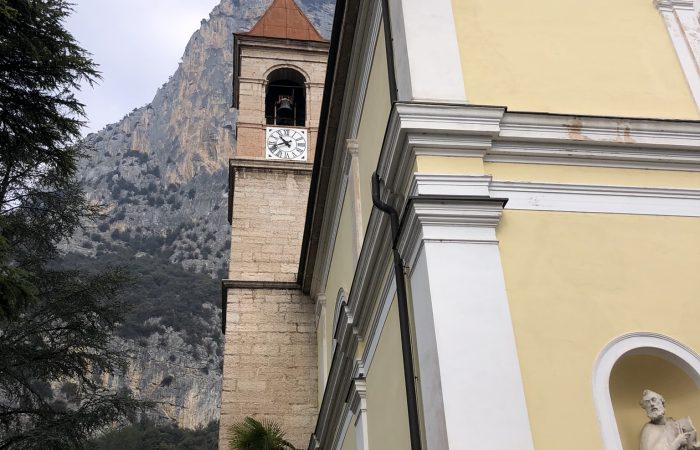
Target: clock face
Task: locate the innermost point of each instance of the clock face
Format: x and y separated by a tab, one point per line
286	143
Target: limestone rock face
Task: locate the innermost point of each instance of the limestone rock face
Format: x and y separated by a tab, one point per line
162	174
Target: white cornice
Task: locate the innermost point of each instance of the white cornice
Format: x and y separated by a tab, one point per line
449	185
671	4
358	396
443	219
599	199
561	196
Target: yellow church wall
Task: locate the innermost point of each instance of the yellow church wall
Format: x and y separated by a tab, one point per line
576	281
449	164
599	57
634	373
341	271
375	116
370	135
350	439
387	419
544	173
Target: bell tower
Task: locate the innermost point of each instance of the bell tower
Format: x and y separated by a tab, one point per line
270	362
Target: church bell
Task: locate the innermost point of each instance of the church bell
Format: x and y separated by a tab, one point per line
284	110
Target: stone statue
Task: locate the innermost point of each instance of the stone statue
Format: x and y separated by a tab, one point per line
665	433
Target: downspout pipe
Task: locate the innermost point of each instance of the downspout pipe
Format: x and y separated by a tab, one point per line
402	298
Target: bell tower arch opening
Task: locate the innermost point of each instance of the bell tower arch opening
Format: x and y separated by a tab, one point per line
285	98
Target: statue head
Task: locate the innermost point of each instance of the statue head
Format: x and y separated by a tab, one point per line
654	404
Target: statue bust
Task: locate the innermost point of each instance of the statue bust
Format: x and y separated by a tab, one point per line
665	433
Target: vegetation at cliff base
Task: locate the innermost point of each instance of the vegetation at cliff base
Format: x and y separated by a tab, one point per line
146	435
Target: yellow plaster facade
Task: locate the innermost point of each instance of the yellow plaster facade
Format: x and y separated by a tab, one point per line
375	115
598	57
606	176
341	271
387	420
370	134
574	281
350	441
577	281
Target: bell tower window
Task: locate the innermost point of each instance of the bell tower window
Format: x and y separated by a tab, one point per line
285	99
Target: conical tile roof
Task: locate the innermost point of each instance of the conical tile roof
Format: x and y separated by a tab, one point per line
283	19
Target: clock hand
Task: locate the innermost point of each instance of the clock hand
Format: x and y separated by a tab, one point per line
287	143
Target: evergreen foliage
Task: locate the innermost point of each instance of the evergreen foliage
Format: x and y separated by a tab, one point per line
55	326
40	120
64	336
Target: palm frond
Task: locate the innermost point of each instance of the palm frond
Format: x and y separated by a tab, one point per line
251	434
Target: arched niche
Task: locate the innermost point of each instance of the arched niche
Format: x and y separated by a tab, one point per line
634	362
285	86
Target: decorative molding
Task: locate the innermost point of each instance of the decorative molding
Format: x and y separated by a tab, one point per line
320	306
339	437
432	129
341	302
366	34
634	343
361	60
681	21
358	396
446	219
599	199
354	183
246	284
268	165
326	243
447	184
287	65
358	405
563	197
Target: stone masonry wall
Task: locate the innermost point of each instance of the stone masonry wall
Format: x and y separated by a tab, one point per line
268	224
256	61
270	365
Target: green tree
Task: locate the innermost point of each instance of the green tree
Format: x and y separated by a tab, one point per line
41	65
55	325
251	434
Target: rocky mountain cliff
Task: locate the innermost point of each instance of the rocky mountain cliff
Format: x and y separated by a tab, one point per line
162	173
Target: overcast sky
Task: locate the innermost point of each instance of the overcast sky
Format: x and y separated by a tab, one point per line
137	44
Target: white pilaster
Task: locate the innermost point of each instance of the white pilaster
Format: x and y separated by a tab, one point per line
358	405
470	382
355	191
322	338
426	51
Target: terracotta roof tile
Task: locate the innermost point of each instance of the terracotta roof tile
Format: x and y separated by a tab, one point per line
283	19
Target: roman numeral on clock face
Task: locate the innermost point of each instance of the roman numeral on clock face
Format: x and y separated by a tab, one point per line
286	143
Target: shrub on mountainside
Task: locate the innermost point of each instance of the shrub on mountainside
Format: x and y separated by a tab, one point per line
146	435
159	289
